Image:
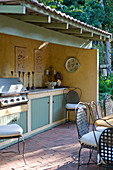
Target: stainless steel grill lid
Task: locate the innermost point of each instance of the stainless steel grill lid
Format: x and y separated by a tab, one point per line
12	92
11	86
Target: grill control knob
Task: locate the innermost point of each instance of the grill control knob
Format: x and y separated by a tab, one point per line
18	99
5	101
23	98
12	100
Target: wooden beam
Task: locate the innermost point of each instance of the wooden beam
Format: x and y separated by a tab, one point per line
32	18
54	25
13	9
106	38
85	34
96	38
31	31
62	19
72	31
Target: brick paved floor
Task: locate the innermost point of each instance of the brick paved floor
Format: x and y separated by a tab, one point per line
56	148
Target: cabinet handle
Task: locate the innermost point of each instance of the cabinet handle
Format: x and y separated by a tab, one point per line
14	120
53	101
48	102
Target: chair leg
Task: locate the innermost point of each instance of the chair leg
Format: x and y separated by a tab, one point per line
79	158
90	154
98	167
18	146
68	118
23	149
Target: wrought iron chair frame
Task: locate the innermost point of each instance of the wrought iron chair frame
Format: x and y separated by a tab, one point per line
107	105
105	148
101	106
94	110
71	100
94	114
18	137
82	129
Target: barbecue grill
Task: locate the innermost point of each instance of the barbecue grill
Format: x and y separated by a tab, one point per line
12	92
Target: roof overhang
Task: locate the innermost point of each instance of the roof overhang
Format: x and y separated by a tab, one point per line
30	11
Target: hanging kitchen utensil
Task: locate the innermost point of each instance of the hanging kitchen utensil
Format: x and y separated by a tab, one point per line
12	73
28	88
33	87
23	76
19	72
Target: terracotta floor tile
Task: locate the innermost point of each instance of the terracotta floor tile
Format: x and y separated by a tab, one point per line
54	149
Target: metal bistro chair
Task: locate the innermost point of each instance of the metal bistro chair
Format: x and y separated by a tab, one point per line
108	106
96	113
88	139
12	131
99	106
105	149
72	97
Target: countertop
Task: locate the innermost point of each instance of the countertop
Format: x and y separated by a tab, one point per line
43	90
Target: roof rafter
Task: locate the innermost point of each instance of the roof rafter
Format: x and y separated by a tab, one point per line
54	25
72	31
13	9
36	13
85	27
33	18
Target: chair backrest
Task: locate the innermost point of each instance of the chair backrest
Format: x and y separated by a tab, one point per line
93	111
73	95
81	121
99	105
106	147
96	111
108	105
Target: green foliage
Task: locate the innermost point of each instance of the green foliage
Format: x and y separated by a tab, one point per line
105	86
52	3
109	14
88	11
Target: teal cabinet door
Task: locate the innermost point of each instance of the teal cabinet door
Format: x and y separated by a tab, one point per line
58	107
40	109
18	118
21	119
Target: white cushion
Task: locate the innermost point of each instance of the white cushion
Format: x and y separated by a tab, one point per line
101	128
73	106
10	130
89	138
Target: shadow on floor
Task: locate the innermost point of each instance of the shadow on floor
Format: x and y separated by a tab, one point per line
56	148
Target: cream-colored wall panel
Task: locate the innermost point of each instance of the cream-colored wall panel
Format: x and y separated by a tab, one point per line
13	110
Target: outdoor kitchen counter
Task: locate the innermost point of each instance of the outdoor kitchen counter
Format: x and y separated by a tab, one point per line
44	90
46	109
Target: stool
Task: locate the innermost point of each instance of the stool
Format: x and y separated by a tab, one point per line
12	131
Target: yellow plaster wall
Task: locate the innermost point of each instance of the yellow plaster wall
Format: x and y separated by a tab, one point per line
56	55
7	57
85	77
